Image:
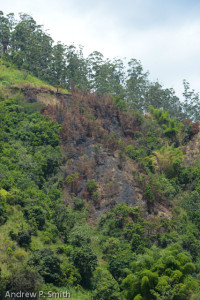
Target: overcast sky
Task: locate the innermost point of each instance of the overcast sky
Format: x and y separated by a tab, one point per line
163	35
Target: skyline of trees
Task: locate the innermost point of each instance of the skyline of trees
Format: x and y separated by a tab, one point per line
28	46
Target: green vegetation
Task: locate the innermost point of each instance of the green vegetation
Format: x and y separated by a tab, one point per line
11	76
31	49
61	228
142	269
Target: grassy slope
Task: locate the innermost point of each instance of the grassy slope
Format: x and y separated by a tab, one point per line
10	76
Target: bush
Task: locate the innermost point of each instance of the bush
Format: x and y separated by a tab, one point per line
111	247
13	235
85	261
171	128
131	152
78	203
137	243
20	255
64	249
23	238
188	268
105	286
3	212
37	213
91	186
24	280
168	160
71	275
80	236
47	265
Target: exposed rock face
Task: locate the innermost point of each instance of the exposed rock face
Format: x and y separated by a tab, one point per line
115	184
91	133
43	95
94	133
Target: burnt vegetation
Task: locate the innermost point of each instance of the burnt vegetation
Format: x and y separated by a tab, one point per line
99	185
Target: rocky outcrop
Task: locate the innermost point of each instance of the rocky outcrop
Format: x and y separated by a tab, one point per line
94	135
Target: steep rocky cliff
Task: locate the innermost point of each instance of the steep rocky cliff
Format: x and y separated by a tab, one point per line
94	135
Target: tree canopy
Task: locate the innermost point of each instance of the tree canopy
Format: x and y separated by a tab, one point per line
27	45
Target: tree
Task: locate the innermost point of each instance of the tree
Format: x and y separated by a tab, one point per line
57	73
167	160
79	236
95	61
37	213
191	104
24	238
76	68
47	265
85	261
111	247
137	243
31	47
6	26
3	208
25	280
136	85
120	263
164	99
106	76
22	41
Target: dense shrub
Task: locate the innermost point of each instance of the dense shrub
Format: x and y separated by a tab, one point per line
105	286
85	261
24	238
23	280
3	211
91	186
80	236
78	203
47	265
36	213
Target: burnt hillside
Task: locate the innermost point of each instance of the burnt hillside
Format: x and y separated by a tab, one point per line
94	135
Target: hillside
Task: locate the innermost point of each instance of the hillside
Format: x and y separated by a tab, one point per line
95	198
31	49
95	138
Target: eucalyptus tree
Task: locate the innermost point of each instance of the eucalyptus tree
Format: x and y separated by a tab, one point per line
136	85
76	68
56	72
106	76
95	62
116	76
21	42
191	103
6	27
41	53
31	46
164	99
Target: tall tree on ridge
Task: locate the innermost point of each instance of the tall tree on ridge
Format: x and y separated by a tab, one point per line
6	27
136	85
76	68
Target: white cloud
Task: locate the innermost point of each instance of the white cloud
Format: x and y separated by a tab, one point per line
171	54
163	35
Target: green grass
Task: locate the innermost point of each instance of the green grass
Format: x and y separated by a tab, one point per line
16	254
95	239
73	293
10	76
